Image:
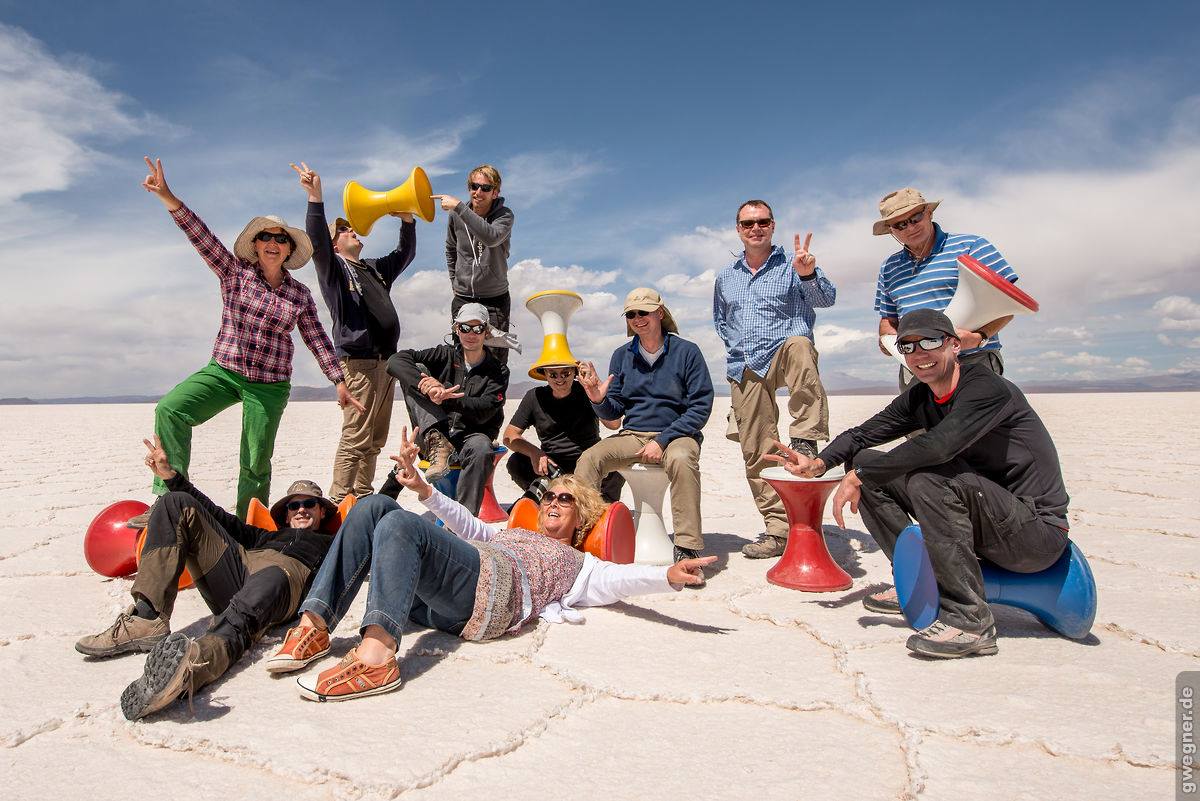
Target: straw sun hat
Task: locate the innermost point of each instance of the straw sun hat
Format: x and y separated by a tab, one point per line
243	248
898	205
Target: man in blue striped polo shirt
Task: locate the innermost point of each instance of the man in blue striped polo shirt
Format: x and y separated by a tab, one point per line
924	274
763	309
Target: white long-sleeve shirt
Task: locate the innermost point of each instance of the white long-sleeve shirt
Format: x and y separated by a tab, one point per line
599	583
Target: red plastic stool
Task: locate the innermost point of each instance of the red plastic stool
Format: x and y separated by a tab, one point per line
806	564
489	510
108	543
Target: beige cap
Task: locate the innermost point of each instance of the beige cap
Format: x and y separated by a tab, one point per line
898	204
646	299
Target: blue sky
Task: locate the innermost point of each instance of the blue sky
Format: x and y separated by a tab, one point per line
1067	133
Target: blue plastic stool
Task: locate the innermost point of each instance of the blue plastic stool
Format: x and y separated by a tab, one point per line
1063	596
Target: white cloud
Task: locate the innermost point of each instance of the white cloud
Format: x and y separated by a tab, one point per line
838	339
392	155
1178	313
1079	334
532	178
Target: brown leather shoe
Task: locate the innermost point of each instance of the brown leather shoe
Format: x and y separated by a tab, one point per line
128	633
351	678
440	453
767	547
301	646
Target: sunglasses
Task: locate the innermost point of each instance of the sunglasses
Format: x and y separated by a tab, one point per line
913	220
467	328
343	230
765	222
296	506
560	375
267	236
629	315
929	343
481	187
563	498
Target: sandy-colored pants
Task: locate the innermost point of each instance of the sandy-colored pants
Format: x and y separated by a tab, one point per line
757	417
681	460
363	434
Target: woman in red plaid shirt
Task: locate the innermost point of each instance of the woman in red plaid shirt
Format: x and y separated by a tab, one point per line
252	356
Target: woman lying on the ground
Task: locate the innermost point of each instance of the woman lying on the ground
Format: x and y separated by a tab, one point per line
477	585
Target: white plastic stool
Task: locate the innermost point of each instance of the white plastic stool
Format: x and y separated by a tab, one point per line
649	483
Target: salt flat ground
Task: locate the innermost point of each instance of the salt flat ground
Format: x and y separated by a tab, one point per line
740	690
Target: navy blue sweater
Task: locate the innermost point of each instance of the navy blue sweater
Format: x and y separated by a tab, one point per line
673	397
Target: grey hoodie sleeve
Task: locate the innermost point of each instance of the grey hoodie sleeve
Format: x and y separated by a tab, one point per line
489	233
451	249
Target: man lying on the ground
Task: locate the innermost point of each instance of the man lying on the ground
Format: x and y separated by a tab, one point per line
983	481
251	578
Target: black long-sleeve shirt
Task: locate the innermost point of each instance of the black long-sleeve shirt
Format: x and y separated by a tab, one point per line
302	544
987	422
481	409
365	323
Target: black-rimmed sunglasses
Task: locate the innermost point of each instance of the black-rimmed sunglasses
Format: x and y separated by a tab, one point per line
296	506
467	328
913	220
280	239
761	223
928	343
481	187
563	498
629	315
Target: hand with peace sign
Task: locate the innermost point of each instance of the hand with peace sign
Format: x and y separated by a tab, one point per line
310	181
805	262
156	184
406	464
157	461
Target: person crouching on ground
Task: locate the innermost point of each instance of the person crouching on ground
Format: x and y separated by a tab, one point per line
251	578
465	579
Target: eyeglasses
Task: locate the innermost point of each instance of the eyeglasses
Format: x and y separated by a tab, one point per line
929	343
563	498
763	222
296	506
913	220
560	375
481	187
343	229
629	315
467	328
267	236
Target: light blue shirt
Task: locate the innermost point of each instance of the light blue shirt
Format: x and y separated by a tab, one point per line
755	313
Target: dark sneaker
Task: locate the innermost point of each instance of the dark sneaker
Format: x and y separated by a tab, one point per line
885	603
441	455
128	633
804	447
946	642
767	547
168	674
689	553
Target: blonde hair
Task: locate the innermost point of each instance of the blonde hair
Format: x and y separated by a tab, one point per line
589	506
487	169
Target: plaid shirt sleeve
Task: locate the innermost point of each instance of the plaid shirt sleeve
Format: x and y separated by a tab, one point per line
215	254
317	340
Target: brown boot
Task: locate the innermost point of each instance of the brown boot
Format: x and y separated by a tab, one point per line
767	547
167	675
128	633
439	452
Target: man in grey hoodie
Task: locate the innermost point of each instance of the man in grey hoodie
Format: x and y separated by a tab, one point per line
477	246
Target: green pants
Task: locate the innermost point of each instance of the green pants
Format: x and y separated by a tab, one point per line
199	398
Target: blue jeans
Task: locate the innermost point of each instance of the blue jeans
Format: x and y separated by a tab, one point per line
419	572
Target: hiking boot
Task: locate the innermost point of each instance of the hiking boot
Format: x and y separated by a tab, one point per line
885	603
301	646
690	553
129	633
946	642
767	547
804	447
351	678
440	453
167	675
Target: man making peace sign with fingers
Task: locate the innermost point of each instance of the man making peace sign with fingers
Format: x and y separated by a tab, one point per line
763	309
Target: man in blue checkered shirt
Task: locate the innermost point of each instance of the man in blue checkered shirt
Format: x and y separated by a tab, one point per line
763	309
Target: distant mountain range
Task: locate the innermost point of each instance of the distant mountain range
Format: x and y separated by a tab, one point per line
835	384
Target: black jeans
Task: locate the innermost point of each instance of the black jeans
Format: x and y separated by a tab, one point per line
964	517
247	591
520	468
498	314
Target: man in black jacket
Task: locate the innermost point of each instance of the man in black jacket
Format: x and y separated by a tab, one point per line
455	396
983	481
251	578
365	331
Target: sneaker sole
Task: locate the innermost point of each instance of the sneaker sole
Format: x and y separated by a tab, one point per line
143	646
983	649
275	665
881	608
312	695
161	682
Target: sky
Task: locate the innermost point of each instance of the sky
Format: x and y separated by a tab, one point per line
627	134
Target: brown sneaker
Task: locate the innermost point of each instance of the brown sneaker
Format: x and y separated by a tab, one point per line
440	453
302	645
768	546
351	678
946	642
168	674
128	633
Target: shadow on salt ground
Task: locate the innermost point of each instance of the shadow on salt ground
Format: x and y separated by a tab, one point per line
838	542
720	545
654	616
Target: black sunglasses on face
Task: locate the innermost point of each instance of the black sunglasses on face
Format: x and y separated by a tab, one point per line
296	506
913	220
563	498
929	343
267	236
467	328
560	375
481	187
629	315
765	222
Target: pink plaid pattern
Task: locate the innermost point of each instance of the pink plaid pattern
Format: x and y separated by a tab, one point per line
255	339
